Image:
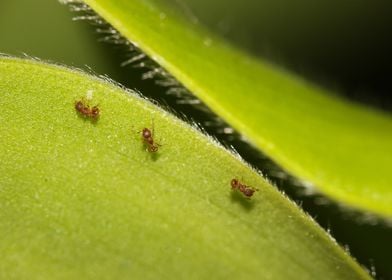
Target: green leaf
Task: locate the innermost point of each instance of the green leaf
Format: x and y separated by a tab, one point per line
84	200
342	148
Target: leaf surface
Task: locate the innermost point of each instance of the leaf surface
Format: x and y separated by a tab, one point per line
85	200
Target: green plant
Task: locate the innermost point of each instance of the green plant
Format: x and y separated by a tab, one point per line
117	209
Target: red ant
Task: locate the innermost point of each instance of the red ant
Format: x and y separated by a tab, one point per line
246	190
86	111
148	139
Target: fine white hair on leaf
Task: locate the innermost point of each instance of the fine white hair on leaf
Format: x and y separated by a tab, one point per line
347	249
133	59
189	101
372	271
235	152
169	82
155	73
176	91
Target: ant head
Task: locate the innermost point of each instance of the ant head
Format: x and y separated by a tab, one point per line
79	105
146	133
234	183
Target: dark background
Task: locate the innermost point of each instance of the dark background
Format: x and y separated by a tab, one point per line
341	44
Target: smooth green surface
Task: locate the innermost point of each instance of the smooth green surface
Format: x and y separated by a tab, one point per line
84	200
27	27
344	149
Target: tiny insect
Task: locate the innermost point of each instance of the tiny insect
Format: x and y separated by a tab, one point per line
148	139
246	190
87	111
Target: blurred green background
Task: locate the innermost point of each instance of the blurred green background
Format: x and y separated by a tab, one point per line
343	45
